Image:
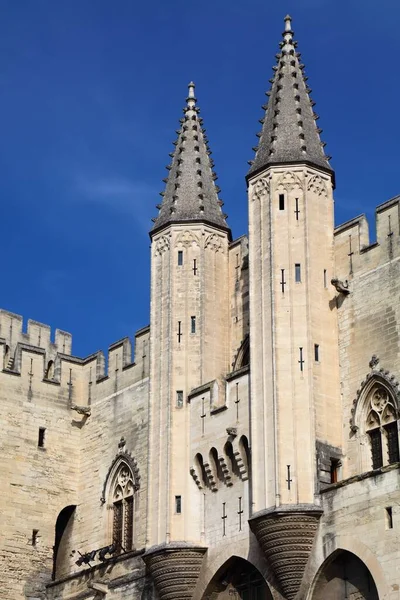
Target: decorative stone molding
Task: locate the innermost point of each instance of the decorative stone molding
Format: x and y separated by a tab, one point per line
378	377
162	245
213	242
243	474
260	189
187	238
289	181
175	569
317	185
196	478
121	457
225	471
210	477
286	536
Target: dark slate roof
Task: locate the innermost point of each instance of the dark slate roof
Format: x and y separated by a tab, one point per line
289	130
190	193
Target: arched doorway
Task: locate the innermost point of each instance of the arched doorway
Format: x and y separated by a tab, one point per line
237	579
344	576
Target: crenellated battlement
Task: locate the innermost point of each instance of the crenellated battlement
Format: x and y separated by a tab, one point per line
37	336
355	253
34	356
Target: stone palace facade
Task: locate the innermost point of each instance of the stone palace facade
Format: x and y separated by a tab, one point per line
250	448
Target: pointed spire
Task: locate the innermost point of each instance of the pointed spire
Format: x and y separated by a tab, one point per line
289	131
191	193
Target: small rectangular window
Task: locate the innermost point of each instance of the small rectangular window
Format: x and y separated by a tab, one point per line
297	273
316	352
179	399
324	278
34	536
178	504
42	431
281	201
180	258
193	324
335	464
389	517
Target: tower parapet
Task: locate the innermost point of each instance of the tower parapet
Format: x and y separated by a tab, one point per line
354	251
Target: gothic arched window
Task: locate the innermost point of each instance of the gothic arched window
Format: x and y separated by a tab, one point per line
123	507
381	427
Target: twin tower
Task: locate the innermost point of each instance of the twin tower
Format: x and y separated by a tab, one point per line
291	401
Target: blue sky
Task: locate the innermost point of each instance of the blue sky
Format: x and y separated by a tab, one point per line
91	92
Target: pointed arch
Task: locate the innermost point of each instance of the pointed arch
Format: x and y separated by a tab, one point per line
242	358
237	578
343	575
120	487
375	415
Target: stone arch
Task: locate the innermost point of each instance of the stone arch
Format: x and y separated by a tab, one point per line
343	575
62	541
216	465
242	358
245	452
374	379
374	420
237	578
232	462
122	457
49	373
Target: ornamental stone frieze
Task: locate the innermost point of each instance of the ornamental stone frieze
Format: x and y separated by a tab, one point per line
286	536
175	569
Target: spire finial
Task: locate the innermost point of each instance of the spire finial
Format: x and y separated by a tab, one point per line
191	99
288	23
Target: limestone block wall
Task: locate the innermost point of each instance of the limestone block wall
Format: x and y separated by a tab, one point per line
355	519
82	412
239	295
220	459
123	579
37	482
369	318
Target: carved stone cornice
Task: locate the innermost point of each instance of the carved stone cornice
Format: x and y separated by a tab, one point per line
175	569
286	535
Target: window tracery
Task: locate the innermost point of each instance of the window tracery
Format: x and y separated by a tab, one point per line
123	508
381	427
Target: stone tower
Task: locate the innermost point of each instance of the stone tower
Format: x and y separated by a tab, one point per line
294	338
189	269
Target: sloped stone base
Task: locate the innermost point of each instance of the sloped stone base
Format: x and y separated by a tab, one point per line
286	536
175	569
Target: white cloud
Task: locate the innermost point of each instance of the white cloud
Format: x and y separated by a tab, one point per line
134	198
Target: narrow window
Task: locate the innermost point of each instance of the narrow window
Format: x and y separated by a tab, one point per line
42	431
297	273
117	524
335	464
281	201
376	448
194	266
179	399
193	324
316	352
34	536
128	524
392	442
180	258
389	517
324	278
178	504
